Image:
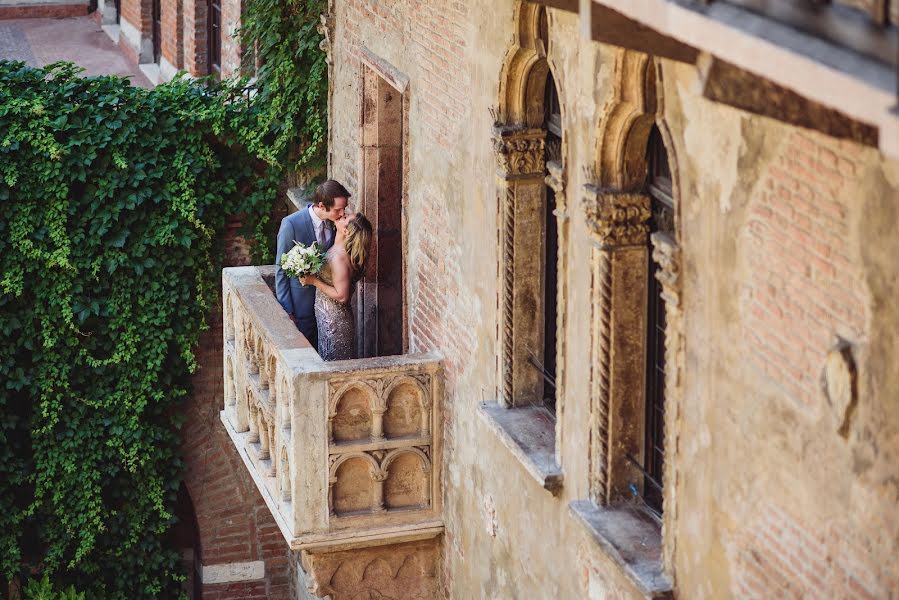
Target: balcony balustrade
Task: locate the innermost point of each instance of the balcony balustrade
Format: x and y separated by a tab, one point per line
345	453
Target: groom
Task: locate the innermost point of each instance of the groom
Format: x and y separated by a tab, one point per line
315	223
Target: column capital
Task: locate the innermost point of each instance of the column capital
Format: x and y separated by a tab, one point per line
519	151
617	219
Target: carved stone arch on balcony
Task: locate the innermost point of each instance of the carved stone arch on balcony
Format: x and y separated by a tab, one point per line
230	387
265	442
350	412
284	474
355	484
408	482
406	411
252	418
261	354
285	400
228	324
271	367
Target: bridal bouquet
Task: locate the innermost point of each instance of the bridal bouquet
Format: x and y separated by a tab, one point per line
303	260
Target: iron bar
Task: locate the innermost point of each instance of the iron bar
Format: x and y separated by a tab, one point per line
646	474
532	360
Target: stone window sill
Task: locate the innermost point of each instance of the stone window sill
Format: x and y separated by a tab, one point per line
631	539
530	435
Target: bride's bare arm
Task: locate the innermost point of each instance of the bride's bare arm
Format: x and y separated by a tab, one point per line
340	273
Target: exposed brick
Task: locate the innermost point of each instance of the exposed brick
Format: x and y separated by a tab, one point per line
802	287
233	521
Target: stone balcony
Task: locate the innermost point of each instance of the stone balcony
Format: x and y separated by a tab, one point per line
346	454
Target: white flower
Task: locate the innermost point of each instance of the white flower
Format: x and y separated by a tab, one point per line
303	260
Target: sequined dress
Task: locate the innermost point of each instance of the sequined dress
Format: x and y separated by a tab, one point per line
336	333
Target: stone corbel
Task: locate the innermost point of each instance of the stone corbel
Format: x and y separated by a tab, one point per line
617	219
519	152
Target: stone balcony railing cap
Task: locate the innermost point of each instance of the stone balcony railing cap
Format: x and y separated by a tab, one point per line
266	312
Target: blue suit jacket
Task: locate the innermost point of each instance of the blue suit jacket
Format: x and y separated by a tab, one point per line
296	298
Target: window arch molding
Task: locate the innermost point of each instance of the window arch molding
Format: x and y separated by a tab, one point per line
617	209
530	168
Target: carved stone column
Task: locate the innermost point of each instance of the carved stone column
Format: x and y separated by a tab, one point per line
667	255
378	503
556	181
618	222
521	189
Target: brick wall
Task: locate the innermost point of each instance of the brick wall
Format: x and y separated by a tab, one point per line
783	556
235	525
231	48
138	14
172	32
803	286
195	37
184	33
439	309
434	31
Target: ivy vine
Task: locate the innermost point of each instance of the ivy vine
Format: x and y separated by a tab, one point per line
113	204
292	76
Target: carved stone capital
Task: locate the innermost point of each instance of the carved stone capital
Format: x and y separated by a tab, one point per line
519	152
617	219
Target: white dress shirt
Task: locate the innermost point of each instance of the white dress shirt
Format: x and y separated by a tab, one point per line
318	225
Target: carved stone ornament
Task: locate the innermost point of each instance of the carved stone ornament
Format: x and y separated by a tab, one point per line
519	152
838	380
556	180
326	28
666	253
617	219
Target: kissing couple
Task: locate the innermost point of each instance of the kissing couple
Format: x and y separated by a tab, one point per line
319	305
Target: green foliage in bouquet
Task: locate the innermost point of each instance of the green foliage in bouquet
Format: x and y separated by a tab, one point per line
113	205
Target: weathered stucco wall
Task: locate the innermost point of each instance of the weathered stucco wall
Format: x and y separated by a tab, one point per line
787	240
787	245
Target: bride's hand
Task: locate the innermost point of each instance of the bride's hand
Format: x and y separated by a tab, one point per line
308	279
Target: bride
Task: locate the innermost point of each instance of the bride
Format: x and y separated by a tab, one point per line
344	266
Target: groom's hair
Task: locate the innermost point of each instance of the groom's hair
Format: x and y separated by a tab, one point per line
327	191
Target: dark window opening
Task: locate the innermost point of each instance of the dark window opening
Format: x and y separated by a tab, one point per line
157	30
214	37
553	123
660	190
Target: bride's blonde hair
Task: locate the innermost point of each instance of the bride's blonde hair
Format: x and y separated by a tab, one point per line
358	239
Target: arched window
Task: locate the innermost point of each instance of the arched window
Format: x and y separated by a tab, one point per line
552	122
659	189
